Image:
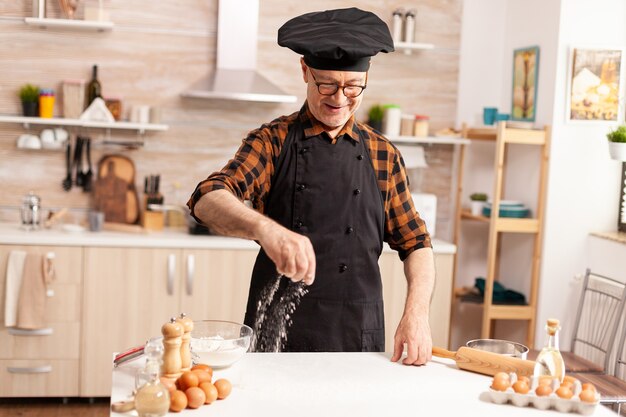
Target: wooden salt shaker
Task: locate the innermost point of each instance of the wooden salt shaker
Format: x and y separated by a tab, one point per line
172	339
185	351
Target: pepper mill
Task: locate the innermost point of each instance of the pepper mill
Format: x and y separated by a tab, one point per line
172	339
185	352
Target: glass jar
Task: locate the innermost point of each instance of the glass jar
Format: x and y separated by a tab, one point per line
46	103
31	211
152	398
420	126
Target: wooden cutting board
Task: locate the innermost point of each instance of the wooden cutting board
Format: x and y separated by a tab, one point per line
114	190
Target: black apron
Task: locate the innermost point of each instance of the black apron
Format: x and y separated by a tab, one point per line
329	193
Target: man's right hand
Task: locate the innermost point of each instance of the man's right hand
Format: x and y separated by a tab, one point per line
292	253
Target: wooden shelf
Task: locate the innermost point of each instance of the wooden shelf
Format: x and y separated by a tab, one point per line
442	140
407	47
525	136
77	24
482	133
60	121
513	225
511	312
467	215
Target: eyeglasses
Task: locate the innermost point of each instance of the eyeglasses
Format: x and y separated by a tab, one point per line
328	89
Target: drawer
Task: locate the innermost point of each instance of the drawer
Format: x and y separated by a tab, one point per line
62	305
62	341
39	378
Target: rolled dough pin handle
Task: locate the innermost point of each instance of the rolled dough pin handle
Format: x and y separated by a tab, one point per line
443	353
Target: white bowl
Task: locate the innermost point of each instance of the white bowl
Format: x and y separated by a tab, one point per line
219	343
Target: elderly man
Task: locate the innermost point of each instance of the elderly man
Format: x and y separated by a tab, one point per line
326	192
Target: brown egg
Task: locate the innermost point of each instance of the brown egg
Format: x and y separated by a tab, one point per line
543	390
564	392
195	397
570	379
210	391
545	380
168	383
187	380
178	401
203	376
202	366
587	396
500	385
567	384
224	387
589	386
521	387
502	376
524	379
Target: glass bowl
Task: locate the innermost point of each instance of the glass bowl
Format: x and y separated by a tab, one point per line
219	343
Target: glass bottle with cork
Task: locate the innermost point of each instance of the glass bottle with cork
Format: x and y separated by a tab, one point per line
549	361
152	398
94	89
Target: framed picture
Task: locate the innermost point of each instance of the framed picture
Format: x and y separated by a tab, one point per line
594	85
525	71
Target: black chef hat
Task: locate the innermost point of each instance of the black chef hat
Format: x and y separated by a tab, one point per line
341	39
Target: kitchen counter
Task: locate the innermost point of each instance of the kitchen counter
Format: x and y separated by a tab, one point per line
12	234
344	384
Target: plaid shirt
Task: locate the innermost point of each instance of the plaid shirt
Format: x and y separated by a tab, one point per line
249	175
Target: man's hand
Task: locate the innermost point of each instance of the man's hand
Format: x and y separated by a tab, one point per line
291	252
415	332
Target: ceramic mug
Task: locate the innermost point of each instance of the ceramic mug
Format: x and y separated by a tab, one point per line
489	115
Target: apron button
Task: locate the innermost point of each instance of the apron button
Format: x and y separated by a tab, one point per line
299	225
343	268
357	191
303	151
349	230
301	187
359	157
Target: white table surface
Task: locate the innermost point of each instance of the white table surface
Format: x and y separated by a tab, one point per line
344	384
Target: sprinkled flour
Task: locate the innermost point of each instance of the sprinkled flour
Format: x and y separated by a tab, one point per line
273	317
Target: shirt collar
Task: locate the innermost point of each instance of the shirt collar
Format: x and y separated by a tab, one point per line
313	127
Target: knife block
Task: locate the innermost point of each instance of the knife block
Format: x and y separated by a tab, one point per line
152	220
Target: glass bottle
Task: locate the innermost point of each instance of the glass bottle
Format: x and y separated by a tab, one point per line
94	89
152	398
549	361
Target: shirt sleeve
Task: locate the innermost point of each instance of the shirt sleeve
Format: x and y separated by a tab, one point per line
405	231
246	175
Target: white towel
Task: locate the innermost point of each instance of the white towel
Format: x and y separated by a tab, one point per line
15	268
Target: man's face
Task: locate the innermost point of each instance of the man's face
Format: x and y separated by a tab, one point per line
335	110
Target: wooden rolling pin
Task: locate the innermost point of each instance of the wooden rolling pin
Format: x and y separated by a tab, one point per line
486	363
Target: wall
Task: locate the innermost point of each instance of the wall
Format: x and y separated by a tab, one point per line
155	52
582	183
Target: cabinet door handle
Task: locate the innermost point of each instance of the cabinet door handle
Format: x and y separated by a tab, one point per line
35	332
171	270
191	266
45	369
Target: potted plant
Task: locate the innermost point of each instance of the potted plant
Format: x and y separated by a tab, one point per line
29	95
375	116
477	203
617	143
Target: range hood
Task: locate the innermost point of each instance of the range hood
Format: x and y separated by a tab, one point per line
235	76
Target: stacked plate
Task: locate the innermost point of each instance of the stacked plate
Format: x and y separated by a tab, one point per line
508	208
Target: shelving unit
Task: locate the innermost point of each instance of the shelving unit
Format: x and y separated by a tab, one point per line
503	136
59	121
87	25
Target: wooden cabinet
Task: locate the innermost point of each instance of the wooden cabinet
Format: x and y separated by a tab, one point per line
129	293
394	295
44	362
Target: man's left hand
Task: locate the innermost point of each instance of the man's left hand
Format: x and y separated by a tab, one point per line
415	332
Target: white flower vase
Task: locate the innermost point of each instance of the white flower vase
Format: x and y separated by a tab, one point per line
617	150
477	207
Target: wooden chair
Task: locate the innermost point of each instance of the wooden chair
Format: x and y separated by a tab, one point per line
612	387
597	318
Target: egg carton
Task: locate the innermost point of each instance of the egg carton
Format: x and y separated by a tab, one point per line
552	401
